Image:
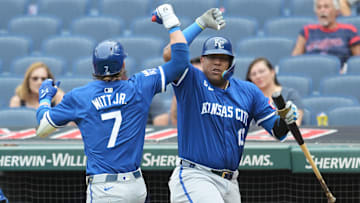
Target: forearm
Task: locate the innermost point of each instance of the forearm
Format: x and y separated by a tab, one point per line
178	63
280	129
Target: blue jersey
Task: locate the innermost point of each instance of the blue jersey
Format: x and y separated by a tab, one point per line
213	122
112	118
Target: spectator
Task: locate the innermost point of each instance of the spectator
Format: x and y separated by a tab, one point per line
262	74
346	6
328	37
27	93
173	110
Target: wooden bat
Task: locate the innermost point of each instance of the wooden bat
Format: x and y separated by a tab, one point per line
280	103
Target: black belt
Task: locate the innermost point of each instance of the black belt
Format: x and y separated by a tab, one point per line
224	174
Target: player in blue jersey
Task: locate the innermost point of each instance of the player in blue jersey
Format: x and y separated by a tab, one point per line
111	114
214	115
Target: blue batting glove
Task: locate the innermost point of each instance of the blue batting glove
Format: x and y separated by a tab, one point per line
48	90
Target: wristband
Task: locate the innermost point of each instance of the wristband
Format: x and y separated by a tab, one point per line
171	30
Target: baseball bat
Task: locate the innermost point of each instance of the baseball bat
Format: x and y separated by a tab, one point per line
280	103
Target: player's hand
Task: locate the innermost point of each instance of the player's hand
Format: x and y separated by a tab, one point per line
212	18
48	89
289	113
164	14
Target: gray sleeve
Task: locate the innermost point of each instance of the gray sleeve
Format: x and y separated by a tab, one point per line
292	95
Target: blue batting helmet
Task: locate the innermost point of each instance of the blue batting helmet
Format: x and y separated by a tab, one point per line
108	58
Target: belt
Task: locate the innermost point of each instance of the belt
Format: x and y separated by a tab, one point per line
102	178
222	173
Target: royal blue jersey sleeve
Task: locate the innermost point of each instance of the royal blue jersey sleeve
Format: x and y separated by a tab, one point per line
64	112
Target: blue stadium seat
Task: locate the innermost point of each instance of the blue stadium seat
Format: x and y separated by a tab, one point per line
12	47
196	46
152	62
286	26
341	85
302	8
354	20
18	117
56	65
353	65
273	48
66	10
35	27
83	67
319	104
302	84
69	48
306	120
99	28
124	9
236	29
10	9
131	66
259	9
314	66
344	116
242	66
69	83
8	85
142	47
161	102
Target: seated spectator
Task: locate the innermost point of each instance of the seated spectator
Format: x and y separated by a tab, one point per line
262	74
347	5
328	37
27	93
173	110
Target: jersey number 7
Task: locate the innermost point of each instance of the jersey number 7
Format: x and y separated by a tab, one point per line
116	126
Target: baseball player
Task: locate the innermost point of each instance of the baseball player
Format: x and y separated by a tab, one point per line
111	114
214	115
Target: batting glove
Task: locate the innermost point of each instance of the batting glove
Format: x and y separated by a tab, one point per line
212	18
48	90
164	14
289	113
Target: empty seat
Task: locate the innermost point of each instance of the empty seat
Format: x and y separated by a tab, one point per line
302	8
353	65
241	66
341	85
12	47
69	48
272	48
83	67
153	62
131	66
306	120
56	65
286	26
35	27
196	46
142	47
161	103
66	10
99	28
10	9
314	66
324	103
69	83
125	9
344	116
8	85
353	20
259	9
18	118
302	84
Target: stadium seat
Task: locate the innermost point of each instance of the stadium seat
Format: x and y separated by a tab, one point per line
302	8
127	10
69	83
18	117
10	9
83	67
20	65
286	26
302	84
161	102
99	28
35	27
241	66
8	85
131	66
306	120
66	10
341	85
354	20
196	46
69	48
236	29
259	9
314	66
11	47
142	47
152	63
353	65
344	116
273	48
323	104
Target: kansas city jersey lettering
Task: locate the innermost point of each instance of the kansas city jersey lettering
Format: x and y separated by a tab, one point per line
225	111
105	100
